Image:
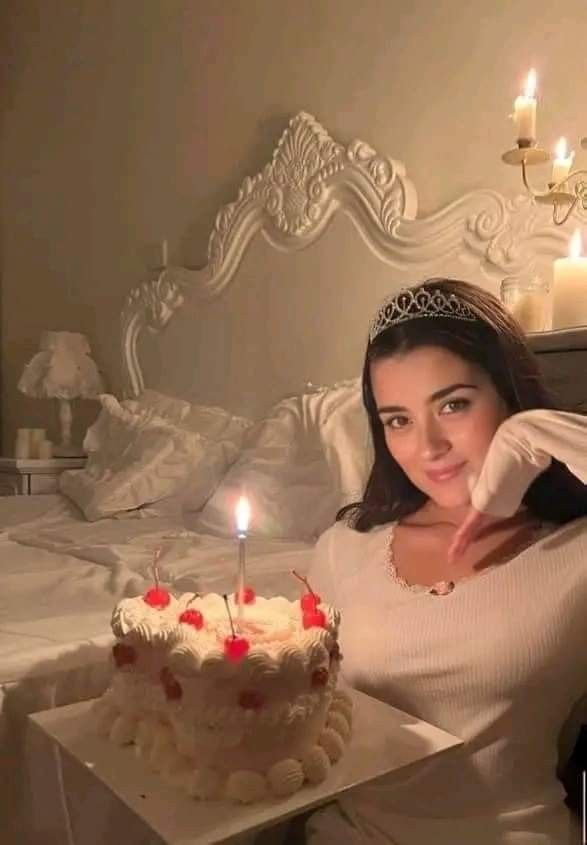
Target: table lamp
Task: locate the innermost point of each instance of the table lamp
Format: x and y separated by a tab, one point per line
64	370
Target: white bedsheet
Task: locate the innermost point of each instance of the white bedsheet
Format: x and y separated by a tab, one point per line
60	578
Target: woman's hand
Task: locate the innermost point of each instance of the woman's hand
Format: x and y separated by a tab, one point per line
469	529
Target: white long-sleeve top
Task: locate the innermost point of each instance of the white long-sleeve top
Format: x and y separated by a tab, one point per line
521	449
499	662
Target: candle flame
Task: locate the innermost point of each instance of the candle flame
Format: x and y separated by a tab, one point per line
576	245
530	90
243	515
561	148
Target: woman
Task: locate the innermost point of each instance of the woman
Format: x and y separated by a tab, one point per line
462	575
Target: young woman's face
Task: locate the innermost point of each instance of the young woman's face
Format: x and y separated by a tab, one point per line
439	414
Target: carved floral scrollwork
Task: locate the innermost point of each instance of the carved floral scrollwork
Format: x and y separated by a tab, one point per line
519	237
379	169
254	190
304	159
156	300
391	210
293	191
381	172
484	229
149	305
484	225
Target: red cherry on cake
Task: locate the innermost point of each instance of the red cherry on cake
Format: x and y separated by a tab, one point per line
320	677
192	617
251	700
235	648
157	597
123	654
310	601
314	619
249	596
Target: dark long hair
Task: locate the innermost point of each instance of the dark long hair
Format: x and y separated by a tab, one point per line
494	342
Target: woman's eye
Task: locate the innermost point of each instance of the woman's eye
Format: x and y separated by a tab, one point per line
395	422
454	405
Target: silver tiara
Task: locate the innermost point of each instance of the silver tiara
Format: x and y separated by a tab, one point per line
409	305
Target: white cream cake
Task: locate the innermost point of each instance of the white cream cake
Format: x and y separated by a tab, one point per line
244	712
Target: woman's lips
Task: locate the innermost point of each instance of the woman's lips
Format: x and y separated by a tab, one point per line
445	474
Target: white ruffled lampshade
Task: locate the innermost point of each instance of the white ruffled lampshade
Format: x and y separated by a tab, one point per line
63	369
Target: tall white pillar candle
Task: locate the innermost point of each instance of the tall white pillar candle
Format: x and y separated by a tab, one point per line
525	111
570	287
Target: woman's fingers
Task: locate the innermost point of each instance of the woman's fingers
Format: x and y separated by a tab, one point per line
469	529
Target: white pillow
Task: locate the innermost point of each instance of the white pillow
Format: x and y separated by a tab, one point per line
283	471
212	422
346	439
168	407
136	458
217	424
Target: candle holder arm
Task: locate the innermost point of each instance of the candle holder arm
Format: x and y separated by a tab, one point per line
560	220
558	196
544	196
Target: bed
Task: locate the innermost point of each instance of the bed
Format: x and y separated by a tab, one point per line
213	404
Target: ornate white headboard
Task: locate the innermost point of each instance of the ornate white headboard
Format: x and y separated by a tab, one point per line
298	263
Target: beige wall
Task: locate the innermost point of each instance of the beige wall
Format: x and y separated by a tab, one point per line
128	121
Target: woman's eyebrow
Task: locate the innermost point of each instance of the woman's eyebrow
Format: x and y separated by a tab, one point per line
438	394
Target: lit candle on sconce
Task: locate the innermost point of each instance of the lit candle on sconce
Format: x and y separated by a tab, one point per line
562	163
242	516
525	112
570	287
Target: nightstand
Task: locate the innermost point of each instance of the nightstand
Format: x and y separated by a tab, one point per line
27	477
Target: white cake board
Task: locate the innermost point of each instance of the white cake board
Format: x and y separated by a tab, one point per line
384	740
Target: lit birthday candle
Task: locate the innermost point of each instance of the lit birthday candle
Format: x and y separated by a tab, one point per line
156	596
243	515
